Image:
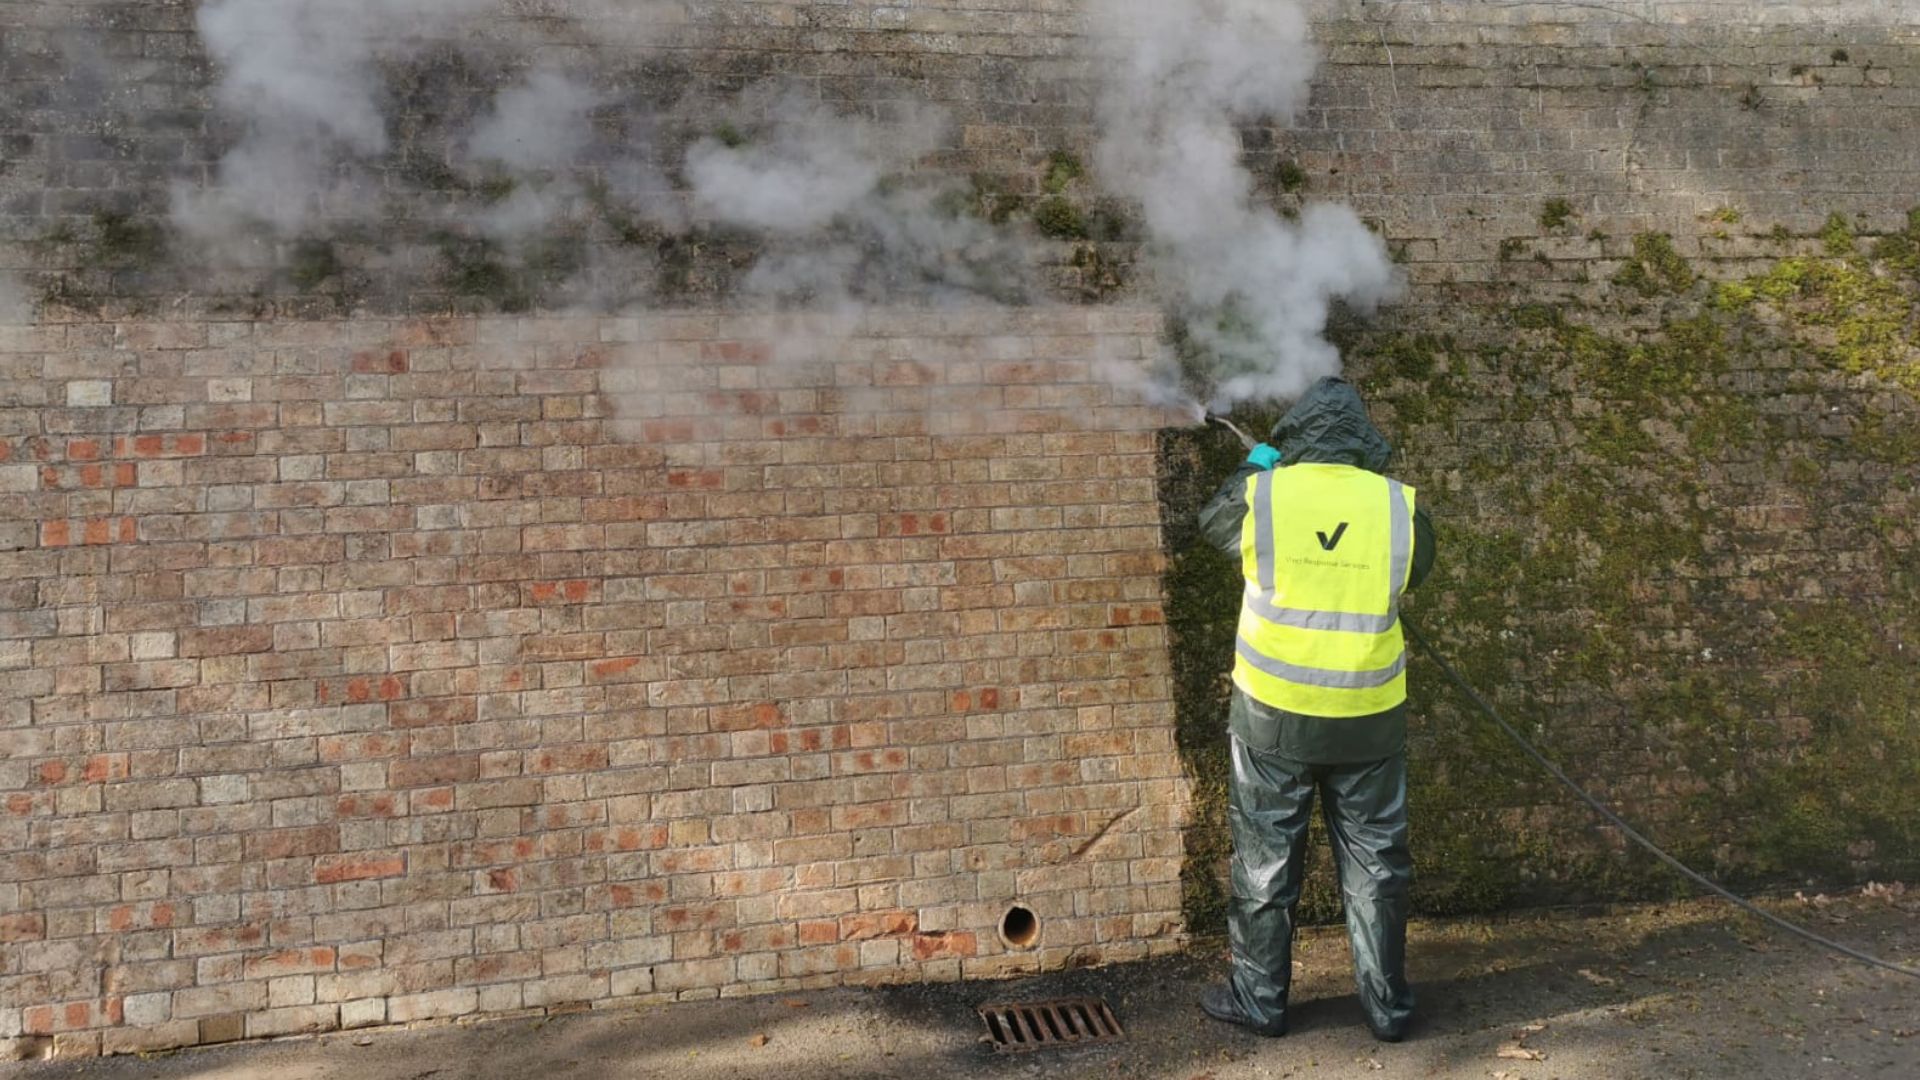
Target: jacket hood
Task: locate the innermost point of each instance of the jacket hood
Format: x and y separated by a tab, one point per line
1329	426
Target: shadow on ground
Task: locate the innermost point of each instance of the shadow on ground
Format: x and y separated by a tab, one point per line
1680	991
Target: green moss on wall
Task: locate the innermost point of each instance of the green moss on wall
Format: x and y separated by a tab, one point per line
1861	308
1063	168
1656	269
1059	218
1677	549
1900	252
123	240
311	263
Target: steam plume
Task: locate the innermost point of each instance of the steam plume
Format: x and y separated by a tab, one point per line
1253	288
843	222
533	134
540	124
840	210
301	79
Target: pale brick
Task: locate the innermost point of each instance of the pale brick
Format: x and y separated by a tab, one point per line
304	1019
438	1004
89	393
363	1012
209	1001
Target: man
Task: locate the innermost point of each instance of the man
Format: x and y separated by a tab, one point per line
1327	545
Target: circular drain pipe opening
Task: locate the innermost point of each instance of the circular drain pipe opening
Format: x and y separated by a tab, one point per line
1020	927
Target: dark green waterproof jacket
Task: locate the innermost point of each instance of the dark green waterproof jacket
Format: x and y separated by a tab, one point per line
1329	425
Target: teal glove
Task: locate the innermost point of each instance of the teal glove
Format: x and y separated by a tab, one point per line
1264	456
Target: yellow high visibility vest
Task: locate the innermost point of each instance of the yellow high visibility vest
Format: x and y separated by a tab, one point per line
1327	551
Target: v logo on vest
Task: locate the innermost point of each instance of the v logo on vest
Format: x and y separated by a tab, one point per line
1328	543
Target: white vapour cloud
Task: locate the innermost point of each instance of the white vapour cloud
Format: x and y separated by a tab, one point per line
320	130
534	133
1255	288
543	123
843	224
300	75
802	166
844	216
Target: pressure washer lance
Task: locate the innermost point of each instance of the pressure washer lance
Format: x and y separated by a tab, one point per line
1245	438
1598	807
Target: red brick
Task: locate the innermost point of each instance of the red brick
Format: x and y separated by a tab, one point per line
124	917
104	767
28	926
338	748
225	640
737	352
581	758
361	689
429	712
156	446
915	525
1135	615
380	362
292	843
807	740
611	670
113	530
629	838
358	867
308	961
741	402
878	924
433	771
561	592
37	1020
70	1016
367	806
765	715
503	967
636	894
668	431
950	945
697	479
984	700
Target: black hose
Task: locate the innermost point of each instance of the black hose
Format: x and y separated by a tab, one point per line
1631	833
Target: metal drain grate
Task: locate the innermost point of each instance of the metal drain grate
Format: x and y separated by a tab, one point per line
1049	1025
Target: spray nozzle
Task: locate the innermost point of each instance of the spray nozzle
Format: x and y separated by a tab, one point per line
1249	441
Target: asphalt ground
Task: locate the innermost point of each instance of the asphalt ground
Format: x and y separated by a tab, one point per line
1675	991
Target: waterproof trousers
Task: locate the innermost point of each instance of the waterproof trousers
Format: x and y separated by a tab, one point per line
1365	805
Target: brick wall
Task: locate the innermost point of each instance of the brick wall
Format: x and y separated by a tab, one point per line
1674	518
1450	123
361	672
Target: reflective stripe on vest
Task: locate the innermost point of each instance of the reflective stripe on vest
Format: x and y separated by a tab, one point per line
1320	629
1327	677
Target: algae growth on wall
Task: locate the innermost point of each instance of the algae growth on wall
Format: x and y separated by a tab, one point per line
1676	546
